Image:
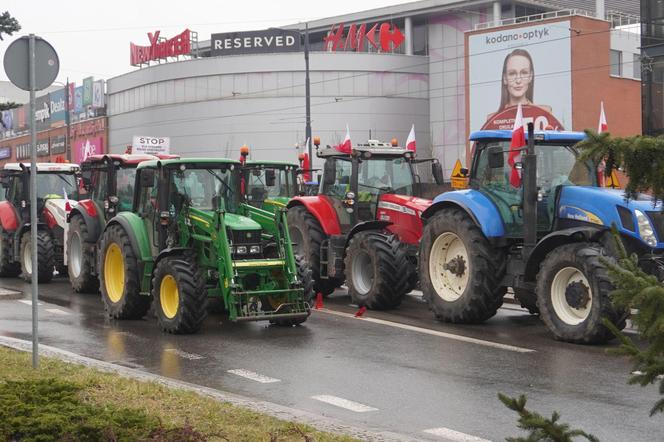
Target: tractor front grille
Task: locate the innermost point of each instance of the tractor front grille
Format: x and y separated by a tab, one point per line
245	244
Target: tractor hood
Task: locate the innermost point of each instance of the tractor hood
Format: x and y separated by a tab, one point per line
419	205
56	207
238	222
605	207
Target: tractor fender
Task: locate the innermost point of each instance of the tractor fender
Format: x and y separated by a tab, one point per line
8	216
364	226
169	252
479	208
138	236
90	218
321	208
557	239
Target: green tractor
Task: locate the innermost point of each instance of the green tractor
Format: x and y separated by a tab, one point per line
270	185
188	239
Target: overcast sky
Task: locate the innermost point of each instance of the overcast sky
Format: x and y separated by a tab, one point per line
92	37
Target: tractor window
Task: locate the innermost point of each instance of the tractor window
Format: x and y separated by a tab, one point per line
54	185
125	180
258	190
341	184
198	187
15	190
393	175
99	186
147	202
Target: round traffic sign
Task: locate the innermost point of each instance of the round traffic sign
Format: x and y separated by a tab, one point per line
17	63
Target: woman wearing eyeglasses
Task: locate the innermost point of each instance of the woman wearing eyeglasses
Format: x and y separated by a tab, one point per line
518	80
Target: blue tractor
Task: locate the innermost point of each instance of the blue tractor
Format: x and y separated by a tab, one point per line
547	236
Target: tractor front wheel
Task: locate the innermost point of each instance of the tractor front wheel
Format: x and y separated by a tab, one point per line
378	272
8	267
80	259
573	293
119	279
460	271
307	235
304	275
180	296
45	257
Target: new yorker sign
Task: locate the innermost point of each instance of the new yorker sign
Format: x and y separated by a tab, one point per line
160	48
255	42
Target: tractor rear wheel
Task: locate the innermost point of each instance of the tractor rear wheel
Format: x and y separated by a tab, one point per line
119	279
179	293
573	292
45	257
80	258
460	271
377	270
307	235
8	267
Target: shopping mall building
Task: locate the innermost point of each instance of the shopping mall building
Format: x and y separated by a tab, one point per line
447	67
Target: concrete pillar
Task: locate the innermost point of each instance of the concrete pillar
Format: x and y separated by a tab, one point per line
599	9
408	25
497	13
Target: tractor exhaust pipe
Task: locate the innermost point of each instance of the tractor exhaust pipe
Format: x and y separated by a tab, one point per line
529	195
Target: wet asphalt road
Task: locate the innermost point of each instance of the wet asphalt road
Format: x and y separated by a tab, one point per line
403	371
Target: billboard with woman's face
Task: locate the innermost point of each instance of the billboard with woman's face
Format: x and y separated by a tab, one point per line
528	65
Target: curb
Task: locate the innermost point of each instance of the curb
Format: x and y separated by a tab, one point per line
282	412
9	294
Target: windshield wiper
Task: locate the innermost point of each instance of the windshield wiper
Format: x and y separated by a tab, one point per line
221	180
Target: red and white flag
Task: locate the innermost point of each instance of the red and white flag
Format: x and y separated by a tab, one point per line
518	142
67	203
410	142
345	147
602	126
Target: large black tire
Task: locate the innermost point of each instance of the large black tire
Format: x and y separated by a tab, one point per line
179	293
570	308
481	270
120	288
8	267
307	234
527	299
377	270
80	262
45	257
304	275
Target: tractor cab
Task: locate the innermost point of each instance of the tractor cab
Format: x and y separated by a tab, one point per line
270	184
501	182
377	181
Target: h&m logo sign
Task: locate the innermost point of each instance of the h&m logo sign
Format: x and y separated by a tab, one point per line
389	37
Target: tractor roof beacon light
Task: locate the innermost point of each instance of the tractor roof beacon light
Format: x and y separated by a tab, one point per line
244	153
395	142
317	142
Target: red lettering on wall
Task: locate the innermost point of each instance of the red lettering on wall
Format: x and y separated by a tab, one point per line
389	36
178	45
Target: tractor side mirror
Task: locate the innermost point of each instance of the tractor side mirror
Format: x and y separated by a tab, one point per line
437	172
330	172
147	177
270	177
86	178
496	160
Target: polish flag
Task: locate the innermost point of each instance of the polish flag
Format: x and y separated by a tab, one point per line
410	142
67	203
518	141
345	147
602	126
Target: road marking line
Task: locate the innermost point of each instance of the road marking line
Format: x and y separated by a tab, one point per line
344	403
184	354
431	332
254	376
28	302
455	436
57	311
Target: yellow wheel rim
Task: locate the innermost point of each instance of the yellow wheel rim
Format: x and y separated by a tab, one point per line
114	273
169	296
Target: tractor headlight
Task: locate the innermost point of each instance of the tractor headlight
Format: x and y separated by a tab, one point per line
241	250
646	231
254	249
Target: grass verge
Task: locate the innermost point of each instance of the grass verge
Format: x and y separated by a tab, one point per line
63	401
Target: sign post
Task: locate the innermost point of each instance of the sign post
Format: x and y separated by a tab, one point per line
32	64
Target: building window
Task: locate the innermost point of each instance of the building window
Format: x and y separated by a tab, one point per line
637	66
616	63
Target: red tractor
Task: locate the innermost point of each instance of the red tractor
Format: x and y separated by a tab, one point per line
109	180
364	226
57	185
